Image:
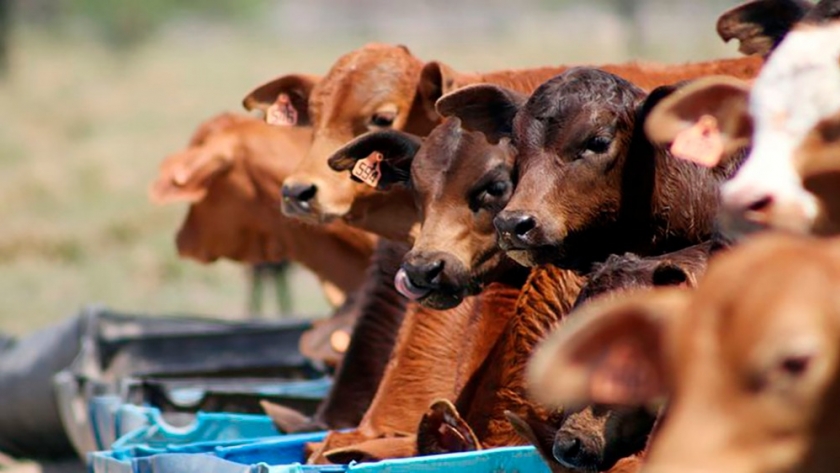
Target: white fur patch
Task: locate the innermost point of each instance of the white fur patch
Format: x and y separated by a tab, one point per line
797	88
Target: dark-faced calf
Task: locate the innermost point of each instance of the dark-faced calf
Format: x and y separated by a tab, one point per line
588	182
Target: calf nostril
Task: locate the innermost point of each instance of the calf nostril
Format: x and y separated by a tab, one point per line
307	194
568	451
299	192
761	204
524	225
434	269
574	448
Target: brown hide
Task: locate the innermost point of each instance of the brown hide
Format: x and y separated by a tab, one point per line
431	363
232	181
545	299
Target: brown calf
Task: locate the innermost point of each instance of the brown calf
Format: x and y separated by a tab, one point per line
455	253
750	361
232	180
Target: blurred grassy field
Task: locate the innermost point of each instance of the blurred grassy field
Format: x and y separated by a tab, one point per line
85	126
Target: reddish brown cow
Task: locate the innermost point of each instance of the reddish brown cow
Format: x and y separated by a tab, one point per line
455	253
750	360
232	179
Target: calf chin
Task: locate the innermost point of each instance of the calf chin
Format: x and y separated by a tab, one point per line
436	280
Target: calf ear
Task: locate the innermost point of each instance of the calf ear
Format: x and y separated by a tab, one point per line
284	100
487	108
760	25
436	80
706	121
285	419
387	155
609	352
823	12
185	177
442	430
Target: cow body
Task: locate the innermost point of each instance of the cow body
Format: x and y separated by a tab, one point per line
231	176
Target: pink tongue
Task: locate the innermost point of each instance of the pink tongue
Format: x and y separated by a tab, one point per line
406	288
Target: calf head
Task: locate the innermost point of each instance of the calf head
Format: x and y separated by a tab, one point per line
229	181
792	95
593	438
573	137
459	180
377	87
750	360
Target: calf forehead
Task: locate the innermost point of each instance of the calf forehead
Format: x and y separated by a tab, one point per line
372	73
453	159
760	299
798	85
578	94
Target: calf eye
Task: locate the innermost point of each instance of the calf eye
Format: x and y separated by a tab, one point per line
489	195
383	119
795	366
497	189
598	144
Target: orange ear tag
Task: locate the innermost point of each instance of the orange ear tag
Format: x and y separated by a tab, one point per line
701	143
367	169
281	112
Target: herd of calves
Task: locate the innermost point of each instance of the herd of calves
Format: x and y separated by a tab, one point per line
521	255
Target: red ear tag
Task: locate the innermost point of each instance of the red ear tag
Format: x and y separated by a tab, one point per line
282	112
368	169
702	143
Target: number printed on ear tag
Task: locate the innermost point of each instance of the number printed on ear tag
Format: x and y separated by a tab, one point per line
368	169
282	112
